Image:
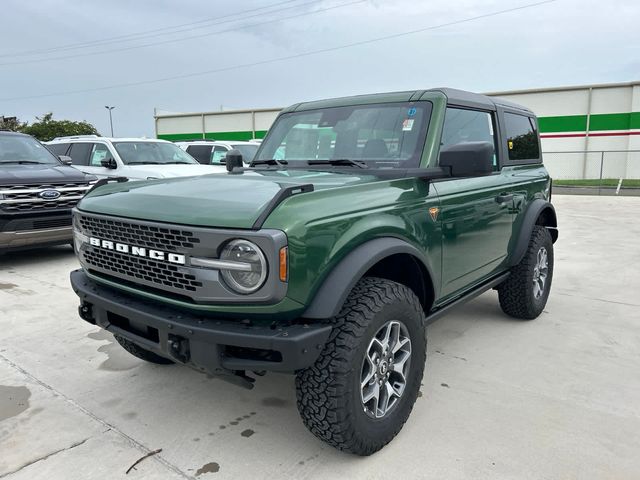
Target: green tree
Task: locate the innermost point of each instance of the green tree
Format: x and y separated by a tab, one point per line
46	128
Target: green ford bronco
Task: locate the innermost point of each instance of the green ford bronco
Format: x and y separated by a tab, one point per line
360	221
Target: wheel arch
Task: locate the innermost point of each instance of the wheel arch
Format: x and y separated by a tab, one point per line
540	212
390	258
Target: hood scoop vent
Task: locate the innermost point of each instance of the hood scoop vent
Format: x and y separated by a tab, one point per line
278	198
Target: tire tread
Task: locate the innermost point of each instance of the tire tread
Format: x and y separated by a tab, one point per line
322	390
515	293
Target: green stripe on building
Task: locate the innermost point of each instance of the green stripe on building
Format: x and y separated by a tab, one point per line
568	123
615	121
226	136
564	123
597	122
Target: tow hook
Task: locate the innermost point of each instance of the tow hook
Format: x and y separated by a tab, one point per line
178	348
85	310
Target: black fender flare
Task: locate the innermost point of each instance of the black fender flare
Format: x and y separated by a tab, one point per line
335	288
536	208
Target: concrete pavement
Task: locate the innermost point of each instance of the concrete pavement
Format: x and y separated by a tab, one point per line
557	397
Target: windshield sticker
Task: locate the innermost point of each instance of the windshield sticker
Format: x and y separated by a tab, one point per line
407	124
411	112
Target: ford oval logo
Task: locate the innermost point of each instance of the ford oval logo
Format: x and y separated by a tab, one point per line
49	194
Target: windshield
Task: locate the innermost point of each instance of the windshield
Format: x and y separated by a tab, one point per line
150	153
380	135
247	151
19	149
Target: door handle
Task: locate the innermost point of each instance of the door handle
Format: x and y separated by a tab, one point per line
504	197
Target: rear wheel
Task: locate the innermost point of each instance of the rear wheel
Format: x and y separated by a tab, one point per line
361	390
143	354
524	294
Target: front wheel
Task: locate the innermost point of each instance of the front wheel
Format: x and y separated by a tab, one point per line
525	292
361	390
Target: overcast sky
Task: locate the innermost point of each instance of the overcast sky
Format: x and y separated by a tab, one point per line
564	42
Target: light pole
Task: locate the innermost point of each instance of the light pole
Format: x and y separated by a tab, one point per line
110	118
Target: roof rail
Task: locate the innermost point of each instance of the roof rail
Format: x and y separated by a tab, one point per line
76	137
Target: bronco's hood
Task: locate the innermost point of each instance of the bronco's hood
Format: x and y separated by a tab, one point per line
222	200
15	174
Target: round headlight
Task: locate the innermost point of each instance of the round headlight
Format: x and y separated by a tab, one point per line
253	273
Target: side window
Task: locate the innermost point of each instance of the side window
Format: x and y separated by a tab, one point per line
58	148
99	152
462	125
218	154
79	153
522	137
202	153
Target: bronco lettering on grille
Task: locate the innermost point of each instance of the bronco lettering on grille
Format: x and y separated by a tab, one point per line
138	251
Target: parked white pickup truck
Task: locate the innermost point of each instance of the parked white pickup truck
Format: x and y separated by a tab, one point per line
134	158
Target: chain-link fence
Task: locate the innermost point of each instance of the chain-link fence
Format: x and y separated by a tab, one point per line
600	169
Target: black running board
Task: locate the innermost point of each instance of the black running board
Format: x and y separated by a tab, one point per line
439	312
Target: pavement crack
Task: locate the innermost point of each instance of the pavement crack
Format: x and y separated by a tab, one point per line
132	441
44	457
598	299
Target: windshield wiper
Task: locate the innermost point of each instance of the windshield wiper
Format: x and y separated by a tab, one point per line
338	161
145	163
181	163
24	162
271	161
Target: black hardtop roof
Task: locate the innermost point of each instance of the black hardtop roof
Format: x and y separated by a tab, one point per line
454	97
463	97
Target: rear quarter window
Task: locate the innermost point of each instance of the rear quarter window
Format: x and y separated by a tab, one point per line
79	153
522	137
202	153
58	148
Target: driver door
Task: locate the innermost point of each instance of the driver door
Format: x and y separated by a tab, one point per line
475	212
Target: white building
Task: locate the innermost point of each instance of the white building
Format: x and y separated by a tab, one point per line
603	120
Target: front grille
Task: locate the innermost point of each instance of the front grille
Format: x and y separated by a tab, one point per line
142	254
52	223
160	238
25	198
141	269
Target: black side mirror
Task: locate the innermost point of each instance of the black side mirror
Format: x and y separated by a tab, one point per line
109	163
66	160
468	159
233	160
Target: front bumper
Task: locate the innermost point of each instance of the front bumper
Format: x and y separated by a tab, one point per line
217	346
34	238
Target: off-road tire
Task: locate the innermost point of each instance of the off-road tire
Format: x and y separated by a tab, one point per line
516	292
141	353
328	393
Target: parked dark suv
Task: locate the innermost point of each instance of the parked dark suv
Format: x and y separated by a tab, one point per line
37	193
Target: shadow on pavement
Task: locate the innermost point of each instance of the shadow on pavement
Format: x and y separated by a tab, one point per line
13	259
